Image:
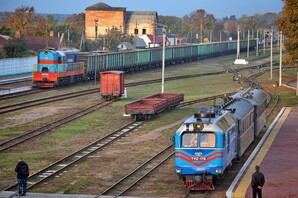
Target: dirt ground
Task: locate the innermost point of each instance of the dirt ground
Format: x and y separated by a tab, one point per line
37	113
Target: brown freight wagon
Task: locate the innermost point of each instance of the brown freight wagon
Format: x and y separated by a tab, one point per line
111	84
146	107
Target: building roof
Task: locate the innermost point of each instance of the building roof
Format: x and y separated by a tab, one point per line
39	42
4	39
141	16
103	6
157	39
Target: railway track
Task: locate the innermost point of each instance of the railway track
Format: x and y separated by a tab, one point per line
24	105
137	175
64	163
48	127
20	94
249	80
58	167
196	194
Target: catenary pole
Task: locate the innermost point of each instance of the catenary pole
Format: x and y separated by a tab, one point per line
163	61
264	42
247	43
257	51
271	41
280	58
238	43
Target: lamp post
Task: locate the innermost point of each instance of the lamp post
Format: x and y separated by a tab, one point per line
271	42
247	43
163	60
257	51
280	58
96	62
264	42
238	43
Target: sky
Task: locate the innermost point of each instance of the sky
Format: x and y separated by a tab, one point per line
179	8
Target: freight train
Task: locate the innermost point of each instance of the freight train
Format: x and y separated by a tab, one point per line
66	66
207	143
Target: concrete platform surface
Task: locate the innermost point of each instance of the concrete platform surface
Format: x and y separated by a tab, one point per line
278	160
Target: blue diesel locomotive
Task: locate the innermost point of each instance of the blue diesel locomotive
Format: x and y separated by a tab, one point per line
207	143
58	67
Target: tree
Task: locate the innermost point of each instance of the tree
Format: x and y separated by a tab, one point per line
20	19
231	28
113	38
26	22
288	24
70	34
192	23
173	23
14	48
5	31
77	21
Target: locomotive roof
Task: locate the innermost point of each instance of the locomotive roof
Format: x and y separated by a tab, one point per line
115	71
220	122
254	96
242	108
69	50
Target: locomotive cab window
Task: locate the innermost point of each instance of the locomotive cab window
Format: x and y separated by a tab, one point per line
59	60
207	140
189	140
202	140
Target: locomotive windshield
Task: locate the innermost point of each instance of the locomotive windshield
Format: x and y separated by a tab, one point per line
202	140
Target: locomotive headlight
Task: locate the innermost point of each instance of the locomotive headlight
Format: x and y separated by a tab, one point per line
178	170
218	170
198	126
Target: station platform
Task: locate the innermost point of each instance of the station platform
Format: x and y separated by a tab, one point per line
277	157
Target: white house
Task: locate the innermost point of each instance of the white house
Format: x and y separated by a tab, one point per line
149	41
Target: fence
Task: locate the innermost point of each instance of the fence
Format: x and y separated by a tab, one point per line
10	66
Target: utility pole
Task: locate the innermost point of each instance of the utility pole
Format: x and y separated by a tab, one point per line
163	60
154	35
219	35
248	44
271	41
238	43
82	44
257	51
278	41
264	42
280	59
47	41
67	34
201	33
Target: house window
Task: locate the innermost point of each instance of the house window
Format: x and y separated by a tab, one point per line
144	31
136	31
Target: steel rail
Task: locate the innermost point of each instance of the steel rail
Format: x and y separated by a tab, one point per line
134	171
19	94
48	127
73	158
24	105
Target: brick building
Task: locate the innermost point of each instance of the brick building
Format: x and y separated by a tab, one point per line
101	17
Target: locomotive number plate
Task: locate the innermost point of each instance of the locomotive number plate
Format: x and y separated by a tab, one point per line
198	158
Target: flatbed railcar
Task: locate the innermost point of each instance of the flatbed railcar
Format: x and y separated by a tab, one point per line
149	106
61	67
207	143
